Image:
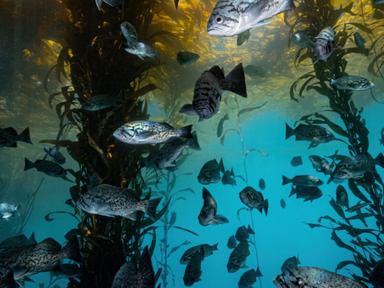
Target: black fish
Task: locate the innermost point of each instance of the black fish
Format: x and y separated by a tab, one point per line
193	270
307	193
231	244
242	233
321	164
209	89
132	275
55	154
204	249
229	178
9	137
342	196
262	184
283	204
312	133
296	161
186	58
290	264
249	278
220	126
254	199
7	278
238	257
377	274
303	180
208	214
211	172
47	167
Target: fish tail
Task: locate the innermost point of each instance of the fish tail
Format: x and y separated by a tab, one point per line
286	180
266	206
220	219
186	132
28	164
188	110
216	246
289	131
151	207
72	250
235	81
25	136
194	142
380	160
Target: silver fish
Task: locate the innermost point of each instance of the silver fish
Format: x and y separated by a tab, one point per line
352	83
314	277
8	210
149	132
208	214
9	137
209	90
111	201
324	44
232	17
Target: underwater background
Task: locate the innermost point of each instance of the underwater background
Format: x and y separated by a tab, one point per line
34	37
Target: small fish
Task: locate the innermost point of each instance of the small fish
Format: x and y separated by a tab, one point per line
243	232
112	3
296	161
324	44
193	272
229	178
209	90
290	264
312	133
321	164
303	180
342	196
314	277
243	37
204	249
255	71
283	204
220	126
360	42
254	199
208	214
248	279
231	243
211	172
307	193
55	154
233	17
149	132
302	40
47	167
101	102
187	58
238	257
8	210
262	184
9	137
352	83
112	201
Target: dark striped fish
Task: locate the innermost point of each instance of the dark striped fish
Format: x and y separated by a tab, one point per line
209	89
233	17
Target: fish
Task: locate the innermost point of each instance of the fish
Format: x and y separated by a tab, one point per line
283	204
352	83
315	134
204	249
324	44
132	275
238	257
111	201
7	210
211	172
262	184
296	161
209	89
248	278
376	276
303	180
193	272
342	196
9	137
243	232
166	157
229	178
360	42
47	167
290	264
243	37
231	243
112	3
255	71
101	102
254	199
150	132
321	164
129	33
208	214
7	278
307	193
25	257
302	40
220	126
187	58
55	154
314	277
233	17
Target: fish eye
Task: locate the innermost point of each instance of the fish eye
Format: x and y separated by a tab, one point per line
219	19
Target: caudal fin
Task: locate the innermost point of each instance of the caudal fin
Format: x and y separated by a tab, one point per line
235	81
72	250
289	132
28	164
188	110
151	207
25	136
186	132
265	207
286	180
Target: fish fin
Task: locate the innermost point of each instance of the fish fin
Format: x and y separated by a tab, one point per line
194	142
266	206
220	219
289	131
218	72
25	136
380	160
188	110
186	132
151	207
72	250
28	164
216	246
258	273
286	180
99	4
132	216
235	81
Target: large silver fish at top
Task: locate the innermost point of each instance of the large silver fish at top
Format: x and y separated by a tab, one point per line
232	17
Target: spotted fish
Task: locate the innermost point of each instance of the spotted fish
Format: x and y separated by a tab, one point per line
352	83
233	17
209	90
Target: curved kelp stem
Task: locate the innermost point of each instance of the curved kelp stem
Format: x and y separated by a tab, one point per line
365	244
